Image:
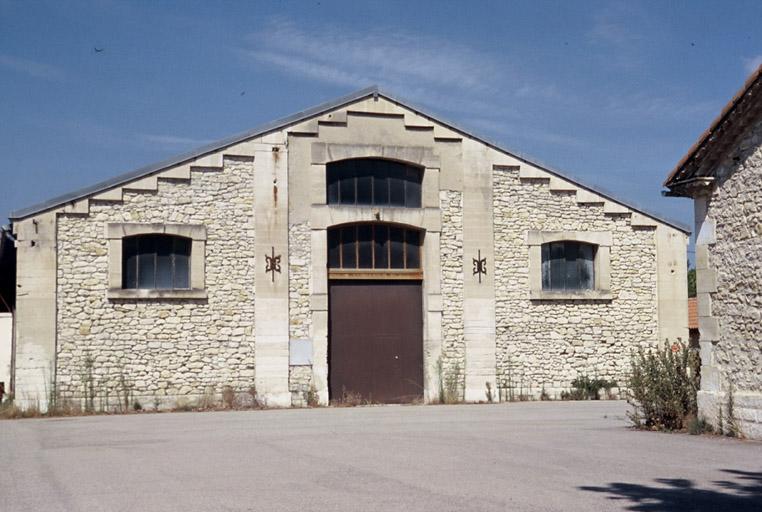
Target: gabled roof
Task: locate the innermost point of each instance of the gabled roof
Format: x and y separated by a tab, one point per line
299	117
696	165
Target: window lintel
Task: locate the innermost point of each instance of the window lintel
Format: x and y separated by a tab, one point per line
119	230
599	238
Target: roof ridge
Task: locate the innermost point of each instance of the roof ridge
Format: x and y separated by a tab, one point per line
303	115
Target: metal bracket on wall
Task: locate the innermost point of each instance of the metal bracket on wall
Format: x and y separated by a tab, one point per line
272	263
480	266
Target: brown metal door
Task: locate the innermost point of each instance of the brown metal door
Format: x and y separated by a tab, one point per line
376	340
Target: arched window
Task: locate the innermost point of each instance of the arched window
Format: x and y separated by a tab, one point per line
374	247
568	265
156	262
373	182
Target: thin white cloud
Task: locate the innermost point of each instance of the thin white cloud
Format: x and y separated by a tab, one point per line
337	55
615	24
310	69
522	132
645	107
751	64
32	68
618	35
428	70
612	32
489	92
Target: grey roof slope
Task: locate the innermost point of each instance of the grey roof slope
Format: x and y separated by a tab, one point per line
302	116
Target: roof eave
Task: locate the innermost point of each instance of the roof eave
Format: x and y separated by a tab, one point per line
689	159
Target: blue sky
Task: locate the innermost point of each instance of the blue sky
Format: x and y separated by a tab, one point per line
613	93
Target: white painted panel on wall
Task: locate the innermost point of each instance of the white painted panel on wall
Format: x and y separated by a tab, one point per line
300	352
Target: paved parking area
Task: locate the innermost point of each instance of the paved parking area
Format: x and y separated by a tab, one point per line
509	457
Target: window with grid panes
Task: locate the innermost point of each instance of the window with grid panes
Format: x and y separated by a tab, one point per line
373	182
156	262
374	247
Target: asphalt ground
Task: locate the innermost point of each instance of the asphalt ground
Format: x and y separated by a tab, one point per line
532	456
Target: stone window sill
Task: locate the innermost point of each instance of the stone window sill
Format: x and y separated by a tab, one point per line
119	293
571	295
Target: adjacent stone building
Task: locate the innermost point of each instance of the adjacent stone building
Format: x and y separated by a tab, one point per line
722	172
362	248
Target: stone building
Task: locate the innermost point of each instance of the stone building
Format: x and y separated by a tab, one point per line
7	295
722	172
362	247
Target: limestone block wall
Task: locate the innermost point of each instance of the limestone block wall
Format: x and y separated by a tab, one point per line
548	343
300	384
299	289
729	263
300	315
161	349
451	256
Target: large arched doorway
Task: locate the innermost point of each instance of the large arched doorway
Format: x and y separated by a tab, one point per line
375	313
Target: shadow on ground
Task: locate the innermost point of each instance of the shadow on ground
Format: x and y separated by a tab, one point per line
742	494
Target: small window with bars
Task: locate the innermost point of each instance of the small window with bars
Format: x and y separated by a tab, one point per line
156	262
568	266
374	247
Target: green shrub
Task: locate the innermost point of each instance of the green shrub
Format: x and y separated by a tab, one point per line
662	387
586	388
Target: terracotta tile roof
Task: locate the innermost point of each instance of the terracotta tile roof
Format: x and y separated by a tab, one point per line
692	313
688	164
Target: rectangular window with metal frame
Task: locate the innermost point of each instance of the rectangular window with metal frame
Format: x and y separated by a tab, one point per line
373	182
156	262
374	247
568	266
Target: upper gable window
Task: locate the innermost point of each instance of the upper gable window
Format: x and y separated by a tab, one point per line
374	182
160	262
568	265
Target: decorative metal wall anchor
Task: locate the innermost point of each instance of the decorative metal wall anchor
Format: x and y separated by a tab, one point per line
480	266
272	264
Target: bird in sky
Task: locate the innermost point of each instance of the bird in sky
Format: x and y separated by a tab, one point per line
98	50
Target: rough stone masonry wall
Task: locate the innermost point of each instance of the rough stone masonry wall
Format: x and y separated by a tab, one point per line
549	343
300	316
299	249
161	350
451	243
736	257
300	384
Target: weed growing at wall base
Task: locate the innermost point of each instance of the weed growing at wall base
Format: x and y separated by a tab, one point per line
450	383
587	388
662	388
